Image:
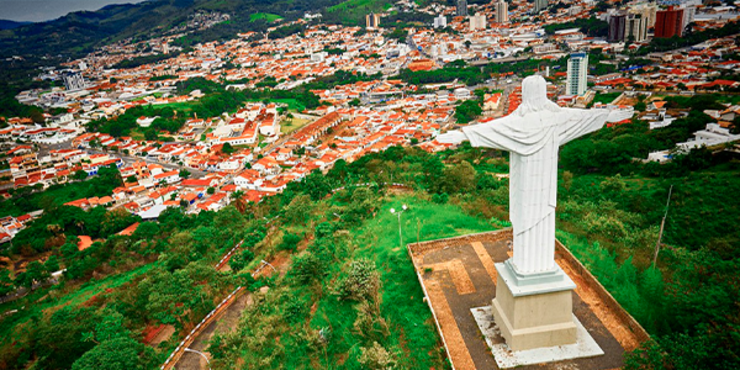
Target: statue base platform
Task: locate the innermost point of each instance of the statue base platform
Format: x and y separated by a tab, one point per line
534	310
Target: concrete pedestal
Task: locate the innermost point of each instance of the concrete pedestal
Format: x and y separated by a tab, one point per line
534	310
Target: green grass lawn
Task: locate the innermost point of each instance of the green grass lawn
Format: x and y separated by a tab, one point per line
266	16
293	104
290	125
371	5
412	334
606	98
402	297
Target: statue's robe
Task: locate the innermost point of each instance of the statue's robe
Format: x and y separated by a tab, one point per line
533	140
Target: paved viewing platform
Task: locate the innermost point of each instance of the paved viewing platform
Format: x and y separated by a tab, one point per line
459	281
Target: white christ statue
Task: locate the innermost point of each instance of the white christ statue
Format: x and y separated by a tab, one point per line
533	133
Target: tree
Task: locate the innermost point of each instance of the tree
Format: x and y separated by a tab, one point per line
151	135
298	210
290	242
361	282
52	264
211	190
184	173
240	260
79	175
117	354
458	178
35	272
131	179
227	148
6	282
468	111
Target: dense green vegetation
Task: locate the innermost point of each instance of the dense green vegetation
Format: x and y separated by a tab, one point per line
78	324
467	111
218	100
78	33
266	16
29	199
10	107
350	297
352	12
605	98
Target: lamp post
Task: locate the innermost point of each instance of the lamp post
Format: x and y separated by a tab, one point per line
398	213
201	354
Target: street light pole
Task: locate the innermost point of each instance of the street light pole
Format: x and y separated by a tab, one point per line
200	353
398	213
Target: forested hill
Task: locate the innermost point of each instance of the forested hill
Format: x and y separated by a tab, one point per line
77	33
6	24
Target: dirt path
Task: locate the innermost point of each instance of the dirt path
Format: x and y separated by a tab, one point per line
226	323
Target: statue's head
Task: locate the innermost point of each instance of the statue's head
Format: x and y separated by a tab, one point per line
534	96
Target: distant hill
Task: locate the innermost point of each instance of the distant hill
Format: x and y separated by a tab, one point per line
78	33
6	24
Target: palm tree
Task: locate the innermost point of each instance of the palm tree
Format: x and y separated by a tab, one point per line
238	198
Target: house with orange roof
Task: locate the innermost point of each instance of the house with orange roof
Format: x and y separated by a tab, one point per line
169	177
249	179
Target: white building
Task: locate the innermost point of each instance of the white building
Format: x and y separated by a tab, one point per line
502	11
540	5
713	134
477	22
440	21
577	74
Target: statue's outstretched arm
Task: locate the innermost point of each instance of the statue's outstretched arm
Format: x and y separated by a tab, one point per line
485	135
580	122
452	137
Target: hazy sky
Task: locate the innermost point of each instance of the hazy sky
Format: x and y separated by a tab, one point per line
44	10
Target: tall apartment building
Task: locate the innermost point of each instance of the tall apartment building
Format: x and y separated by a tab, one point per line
635	28
576	83
540	5
627	26
648	11
502	11
372	21
477	22
689	13
440	21
669	23
462	8
616	28
73	81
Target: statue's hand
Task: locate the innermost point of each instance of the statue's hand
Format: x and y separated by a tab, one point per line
452	137
618	115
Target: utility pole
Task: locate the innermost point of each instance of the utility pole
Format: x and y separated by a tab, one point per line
662	226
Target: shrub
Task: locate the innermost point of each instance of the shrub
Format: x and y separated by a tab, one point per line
290	242
361	282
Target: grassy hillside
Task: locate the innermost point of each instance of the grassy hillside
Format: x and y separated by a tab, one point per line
352	12
322	326
266	16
